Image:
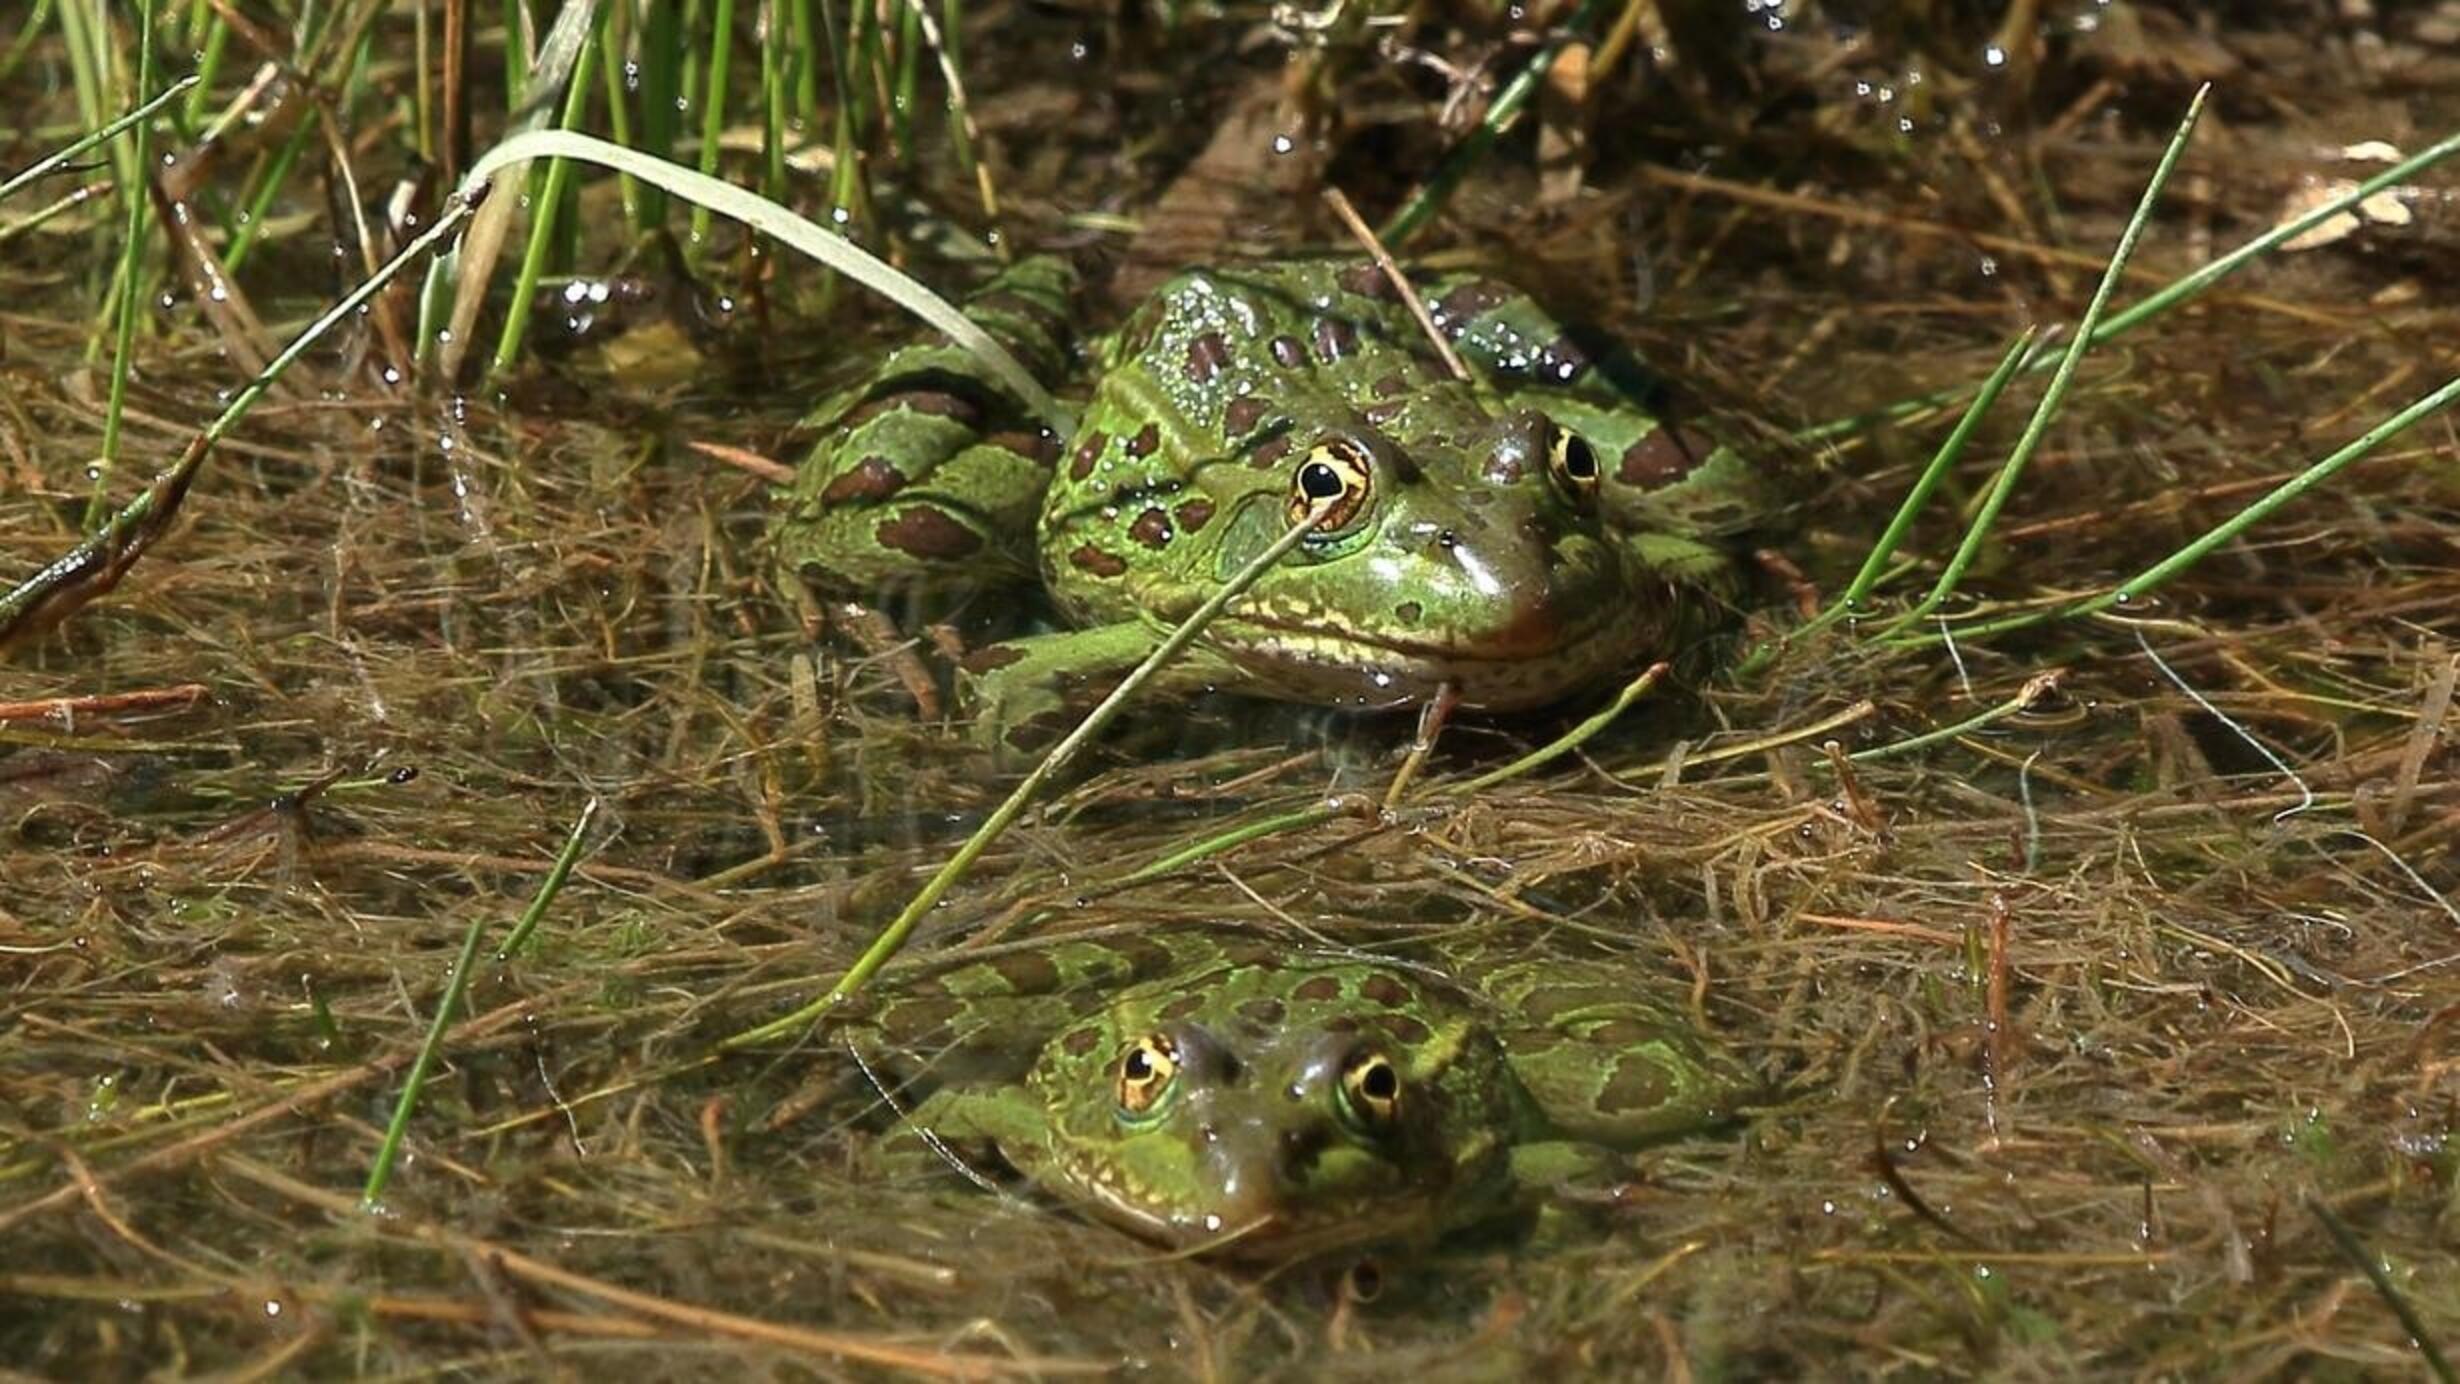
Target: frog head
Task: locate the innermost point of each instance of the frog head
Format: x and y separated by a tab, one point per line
1278	1111
1453	545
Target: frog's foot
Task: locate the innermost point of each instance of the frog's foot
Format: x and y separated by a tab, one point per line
1026	693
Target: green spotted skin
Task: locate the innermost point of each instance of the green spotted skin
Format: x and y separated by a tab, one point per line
1227	1096
1518	535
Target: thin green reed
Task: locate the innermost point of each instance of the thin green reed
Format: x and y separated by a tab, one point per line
774	97
661	89
806	59
131	276
909	80
209	51
517	55
713	104
612	71
547	212
952	25
25	38
422	79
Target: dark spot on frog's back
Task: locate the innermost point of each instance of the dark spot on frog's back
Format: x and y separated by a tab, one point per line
1183	1006
872	478
1409	612
1194	514
1635	1084
1288	352
1659	459
1207	355
1271	453
1029	973
1367	279
1241	417
926	532
1561	360
1318	989
992	657
1454	311
1040	448
1152	528
1406	1031
1146	442
1388	991
935	402
1390	387
1080	1042
921	1014
1334	338
1088	451
1088	558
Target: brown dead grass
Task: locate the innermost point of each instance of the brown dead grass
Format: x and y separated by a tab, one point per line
2084	1020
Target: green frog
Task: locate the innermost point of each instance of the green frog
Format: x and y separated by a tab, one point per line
1224	1094
1515	535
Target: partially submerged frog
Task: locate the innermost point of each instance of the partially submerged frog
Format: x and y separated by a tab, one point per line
1516	536
1251	1101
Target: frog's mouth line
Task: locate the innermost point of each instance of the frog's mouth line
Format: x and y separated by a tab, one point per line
1314	658
1288	1234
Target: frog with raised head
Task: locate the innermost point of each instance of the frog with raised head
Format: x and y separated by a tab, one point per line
1517	535
1224	1094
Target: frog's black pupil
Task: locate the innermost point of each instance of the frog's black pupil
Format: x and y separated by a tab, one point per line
1139	1067
1578	461
1320	481
1378	1082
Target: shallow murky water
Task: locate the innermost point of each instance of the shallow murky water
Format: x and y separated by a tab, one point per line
2113	1034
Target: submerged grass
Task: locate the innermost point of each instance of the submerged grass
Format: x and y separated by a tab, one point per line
2110	988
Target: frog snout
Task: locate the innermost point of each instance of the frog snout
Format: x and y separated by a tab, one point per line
1507	588
1257	1166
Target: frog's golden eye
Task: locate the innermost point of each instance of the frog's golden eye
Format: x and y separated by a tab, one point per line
1570	457
1146	1070
1371	1090
1336	478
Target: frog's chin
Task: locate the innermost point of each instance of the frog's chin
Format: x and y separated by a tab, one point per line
1315	662
1285	1235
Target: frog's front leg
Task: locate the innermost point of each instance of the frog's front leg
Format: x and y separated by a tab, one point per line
1026	693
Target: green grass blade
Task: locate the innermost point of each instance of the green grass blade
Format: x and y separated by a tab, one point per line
1876	562
54	163
1571	739
2195	283
565	60
131	276
2160	573
661	86
780	224
1506	108
456	985
26	37
2055	395
893	937
713	107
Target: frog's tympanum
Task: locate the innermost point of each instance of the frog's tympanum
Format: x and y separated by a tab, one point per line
1233	1096
1518	534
